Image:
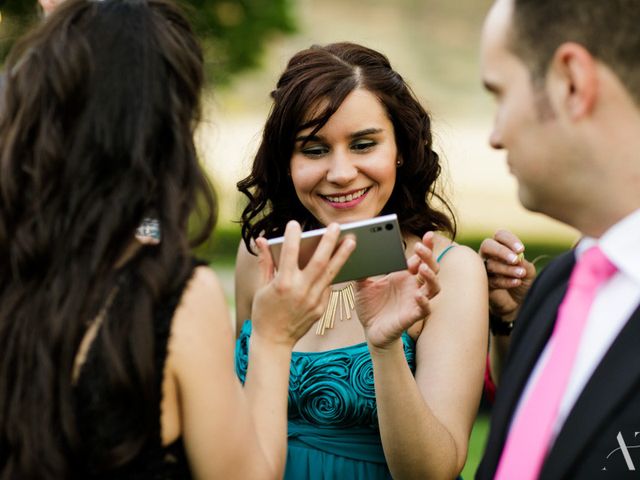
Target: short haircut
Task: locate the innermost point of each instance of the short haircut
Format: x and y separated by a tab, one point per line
608	29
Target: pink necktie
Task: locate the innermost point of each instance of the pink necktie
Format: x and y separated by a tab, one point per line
530	435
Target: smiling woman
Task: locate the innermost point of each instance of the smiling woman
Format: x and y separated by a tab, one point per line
392	392
348	171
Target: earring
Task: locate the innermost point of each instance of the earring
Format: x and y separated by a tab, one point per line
398	162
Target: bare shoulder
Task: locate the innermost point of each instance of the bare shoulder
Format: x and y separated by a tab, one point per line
246	283
203	290
246	266
244	255
457	258
202	309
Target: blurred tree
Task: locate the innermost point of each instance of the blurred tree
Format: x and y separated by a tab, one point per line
233	32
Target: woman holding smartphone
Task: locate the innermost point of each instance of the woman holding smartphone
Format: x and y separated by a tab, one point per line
377	388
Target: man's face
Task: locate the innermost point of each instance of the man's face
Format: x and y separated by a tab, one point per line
524	123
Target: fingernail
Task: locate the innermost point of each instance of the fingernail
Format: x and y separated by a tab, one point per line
519	247
520	272
513	258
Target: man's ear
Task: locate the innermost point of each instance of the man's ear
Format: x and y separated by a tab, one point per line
573	74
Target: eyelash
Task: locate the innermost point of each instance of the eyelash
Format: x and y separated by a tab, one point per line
360	146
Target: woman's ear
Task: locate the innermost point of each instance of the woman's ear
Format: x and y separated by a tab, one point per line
574	80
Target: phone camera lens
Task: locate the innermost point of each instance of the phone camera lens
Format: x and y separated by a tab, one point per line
389	226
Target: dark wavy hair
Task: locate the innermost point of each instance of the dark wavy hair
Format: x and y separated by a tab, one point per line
328	74
96	130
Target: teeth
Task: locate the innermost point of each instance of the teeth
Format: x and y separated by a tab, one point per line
346	198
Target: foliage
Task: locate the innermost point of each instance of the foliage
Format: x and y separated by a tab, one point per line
233	32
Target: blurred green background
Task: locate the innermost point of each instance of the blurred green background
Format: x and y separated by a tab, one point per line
434	46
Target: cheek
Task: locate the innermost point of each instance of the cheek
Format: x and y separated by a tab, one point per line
305	176
385	172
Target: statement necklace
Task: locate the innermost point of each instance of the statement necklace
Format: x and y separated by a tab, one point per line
341	305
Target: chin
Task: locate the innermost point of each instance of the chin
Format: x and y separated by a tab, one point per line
532	203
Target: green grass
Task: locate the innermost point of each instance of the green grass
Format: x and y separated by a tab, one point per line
476	445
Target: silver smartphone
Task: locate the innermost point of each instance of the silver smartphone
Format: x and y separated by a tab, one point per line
379	248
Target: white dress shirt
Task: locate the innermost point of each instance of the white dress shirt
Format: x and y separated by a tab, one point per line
615	302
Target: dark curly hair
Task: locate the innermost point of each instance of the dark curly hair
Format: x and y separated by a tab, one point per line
99	106
328	74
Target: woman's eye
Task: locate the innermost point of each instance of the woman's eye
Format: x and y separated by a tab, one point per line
363	145
315	151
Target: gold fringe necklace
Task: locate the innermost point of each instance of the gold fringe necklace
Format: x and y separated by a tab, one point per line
341	305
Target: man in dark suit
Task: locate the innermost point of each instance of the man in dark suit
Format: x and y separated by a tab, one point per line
566	78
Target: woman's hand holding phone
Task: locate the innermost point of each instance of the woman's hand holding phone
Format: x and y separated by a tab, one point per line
291	299
389	305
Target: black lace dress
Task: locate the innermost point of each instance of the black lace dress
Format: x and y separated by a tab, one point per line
104	421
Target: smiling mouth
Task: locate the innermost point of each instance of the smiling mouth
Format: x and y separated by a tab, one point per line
346	198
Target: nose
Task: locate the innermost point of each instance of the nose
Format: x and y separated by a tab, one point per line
495	139
342	169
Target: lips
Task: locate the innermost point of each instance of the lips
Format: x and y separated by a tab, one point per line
350	197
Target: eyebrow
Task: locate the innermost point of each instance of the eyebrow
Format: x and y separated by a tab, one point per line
358	134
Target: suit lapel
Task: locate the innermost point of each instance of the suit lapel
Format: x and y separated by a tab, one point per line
605	392
534	326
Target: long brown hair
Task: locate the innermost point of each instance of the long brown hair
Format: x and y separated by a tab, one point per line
96	131
329	73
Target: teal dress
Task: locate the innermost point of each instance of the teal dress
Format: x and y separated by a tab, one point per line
333	422
333	429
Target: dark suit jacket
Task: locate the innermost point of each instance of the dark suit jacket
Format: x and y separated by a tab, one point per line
606	415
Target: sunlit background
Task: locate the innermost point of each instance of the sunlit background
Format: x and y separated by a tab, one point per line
433	44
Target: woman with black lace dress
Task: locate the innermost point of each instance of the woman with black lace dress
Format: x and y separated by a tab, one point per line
116	347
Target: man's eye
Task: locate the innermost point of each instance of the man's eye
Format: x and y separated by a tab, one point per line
362	145
315	151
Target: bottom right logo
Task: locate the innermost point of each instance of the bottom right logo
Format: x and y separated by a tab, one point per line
624	449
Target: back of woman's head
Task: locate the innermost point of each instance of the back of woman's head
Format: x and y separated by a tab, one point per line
313	86
96	132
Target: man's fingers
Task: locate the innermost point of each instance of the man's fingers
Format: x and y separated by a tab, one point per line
504	283
498	268
490	248
509	240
